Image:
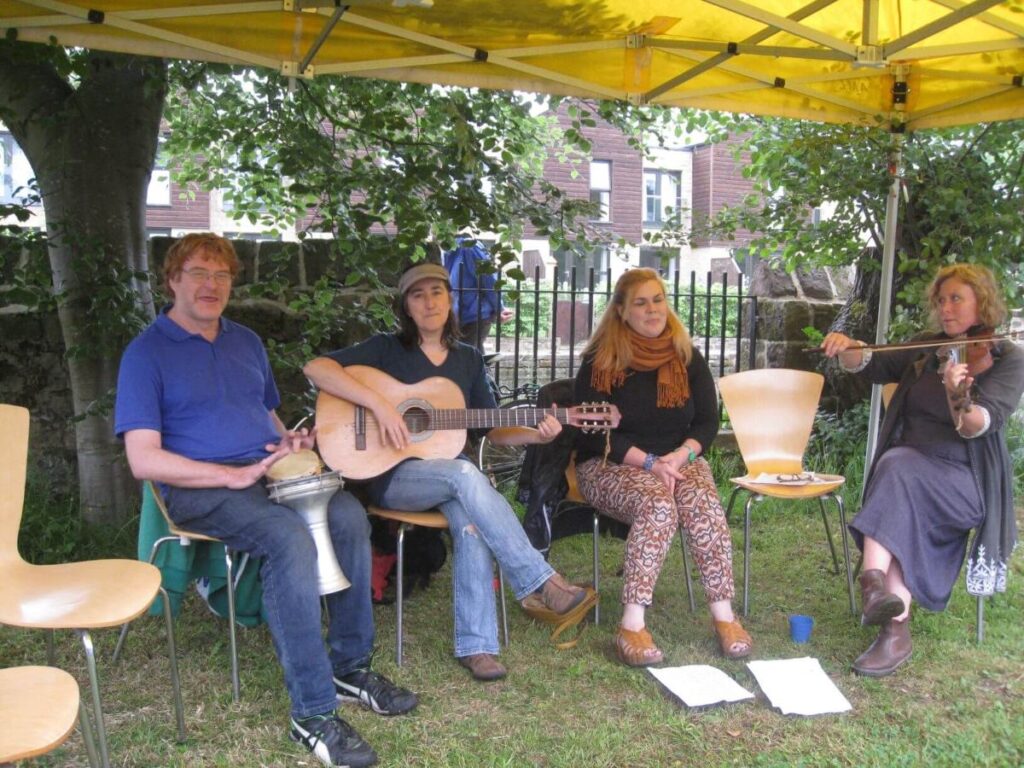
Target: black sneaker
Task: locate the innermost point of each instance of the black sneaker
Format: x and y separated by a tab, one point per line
374	691
333	741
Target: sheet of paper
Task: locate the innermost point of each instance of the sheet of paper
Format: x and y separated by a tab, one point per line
806	478
699	685
798	686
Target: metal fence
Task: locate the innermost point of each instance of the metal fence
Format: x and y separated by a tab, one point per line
547	334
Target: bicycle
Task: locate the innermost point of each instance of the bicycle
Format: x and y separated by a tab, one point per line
503	463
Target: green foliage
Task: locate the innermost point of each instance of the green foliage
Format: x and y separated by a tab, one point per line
963	193
838	443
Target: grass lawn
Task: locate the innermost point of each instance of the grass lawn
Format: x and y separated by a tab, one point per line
955	704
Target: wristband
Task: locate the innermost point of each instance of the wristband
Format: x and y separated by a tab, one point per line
649	462
693	456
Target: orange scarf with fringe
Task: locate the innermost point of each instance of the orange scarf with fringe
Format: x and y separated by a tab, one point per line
648	354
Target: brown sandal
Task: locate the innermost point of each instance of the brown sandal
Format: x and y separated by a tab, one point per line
730	634
637	649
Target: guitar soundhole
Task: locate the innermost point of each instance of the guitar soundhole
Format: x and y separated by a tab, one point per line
417	419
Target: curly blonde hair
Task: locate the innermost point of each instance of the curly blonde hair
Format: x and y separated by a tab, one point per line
991	307
609	345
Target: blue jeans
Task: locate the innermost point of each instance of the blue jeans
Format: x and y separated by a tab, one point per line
247	521
482	525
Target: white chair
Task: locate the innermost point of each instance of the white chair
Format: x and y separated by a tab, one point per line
81	596
772	412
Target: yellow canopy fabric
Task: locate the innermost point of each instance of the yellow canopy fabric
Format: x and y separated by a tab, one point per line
926	63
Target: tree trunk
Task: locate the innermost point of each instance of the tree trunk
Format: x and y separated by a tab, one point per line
92	147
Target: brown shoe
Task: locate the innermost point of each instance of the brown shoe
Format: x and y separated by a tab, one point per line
637	649
891	649
560	596
483	666
877	605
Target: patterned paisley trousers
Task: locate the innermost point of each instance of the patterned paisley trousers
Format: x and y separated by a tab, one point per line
639	499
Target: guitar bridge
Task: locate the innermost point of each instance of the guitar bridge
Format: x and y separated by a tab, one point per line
360	427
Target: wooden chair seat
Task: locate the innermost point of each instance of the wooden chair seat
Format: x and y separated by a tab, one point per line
38	709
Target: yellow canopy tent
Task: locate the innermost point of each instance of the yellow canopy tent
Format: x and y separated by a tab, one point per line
934	62
909	64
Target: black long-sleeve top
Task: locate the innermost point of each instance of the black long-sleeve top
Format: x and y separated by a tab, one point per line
645	425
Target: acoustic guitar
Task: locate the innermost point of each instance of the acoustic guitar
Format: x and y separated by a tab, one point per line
434	411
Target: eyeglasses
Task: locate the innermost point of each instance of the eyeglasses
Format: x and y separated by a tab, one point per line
801	477
201	275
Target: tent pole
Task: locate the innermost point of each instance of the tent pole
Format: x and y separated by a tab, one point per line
892	209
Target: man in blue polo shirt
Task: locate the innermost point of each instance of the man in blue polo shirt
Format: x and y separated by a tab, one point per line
196	406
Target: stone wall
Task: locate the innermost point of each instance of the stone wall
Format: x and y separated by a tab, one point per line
789	302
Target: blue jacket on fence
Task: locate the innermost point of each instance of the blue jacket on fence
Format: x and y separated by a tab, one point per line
470	302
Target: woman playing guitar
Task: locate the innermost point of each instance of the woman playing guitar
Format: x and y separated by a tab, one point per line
482	524
942	467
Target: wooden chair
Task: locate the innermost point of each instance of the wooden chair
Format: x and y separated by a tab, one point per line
81	596
428	519
38	709
573	496
185	539
772	412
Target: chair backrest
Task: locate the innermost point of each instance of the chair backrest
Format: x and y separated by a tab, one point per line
13	469
772	413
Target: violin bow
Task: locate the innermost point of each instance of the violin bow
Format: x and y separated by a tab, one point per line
1011	336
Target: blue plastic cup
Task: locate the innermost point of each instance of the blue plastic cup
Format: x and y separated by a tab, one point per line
800	627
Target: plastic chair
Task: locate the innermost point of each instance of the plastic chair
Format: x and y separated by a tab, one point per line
80	596
38	707
429	519
772	413
185	539
574	497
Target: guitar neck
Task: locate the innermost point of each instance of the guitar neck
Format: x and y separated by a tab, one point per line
489	418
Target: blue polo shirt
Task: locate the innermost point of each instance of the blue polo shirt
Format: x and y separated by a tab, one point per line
210	401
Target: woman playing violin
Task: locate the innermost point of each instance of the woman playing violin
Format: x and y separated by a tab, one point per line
942	467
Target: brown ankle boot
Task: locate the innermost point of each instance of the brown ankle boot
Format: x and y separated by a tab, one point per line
560	596
891	649
877	605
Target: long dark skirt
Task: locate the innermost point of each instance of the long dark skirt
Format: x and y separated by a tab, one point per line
921	506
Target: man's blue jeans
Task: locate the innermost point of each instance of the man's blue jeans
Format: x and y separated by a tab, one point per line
247	521
482	524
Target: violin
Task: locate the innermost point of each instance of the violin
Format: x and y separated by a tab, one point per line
974	349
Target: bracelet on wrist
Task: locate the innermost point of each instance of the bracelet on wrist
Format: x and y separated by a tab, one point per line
693	456
649	461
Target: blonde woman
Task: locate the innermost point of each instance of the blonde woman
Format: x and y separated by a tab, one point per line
654	478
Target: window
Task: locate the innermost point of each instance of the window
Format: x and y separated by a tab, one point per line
665	261
17	177
159	191
601	188
597	259
662	197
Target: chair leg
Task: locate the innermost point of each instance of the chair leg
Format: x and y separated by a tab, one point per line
153	552
686	569
746	552
597	575
981	619
399	587
97	705
828	535
846	551
732	497
232	627
501	604
85	726
172	653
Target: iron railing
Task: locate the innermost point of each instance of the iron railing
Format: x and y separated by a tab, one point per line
547	334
